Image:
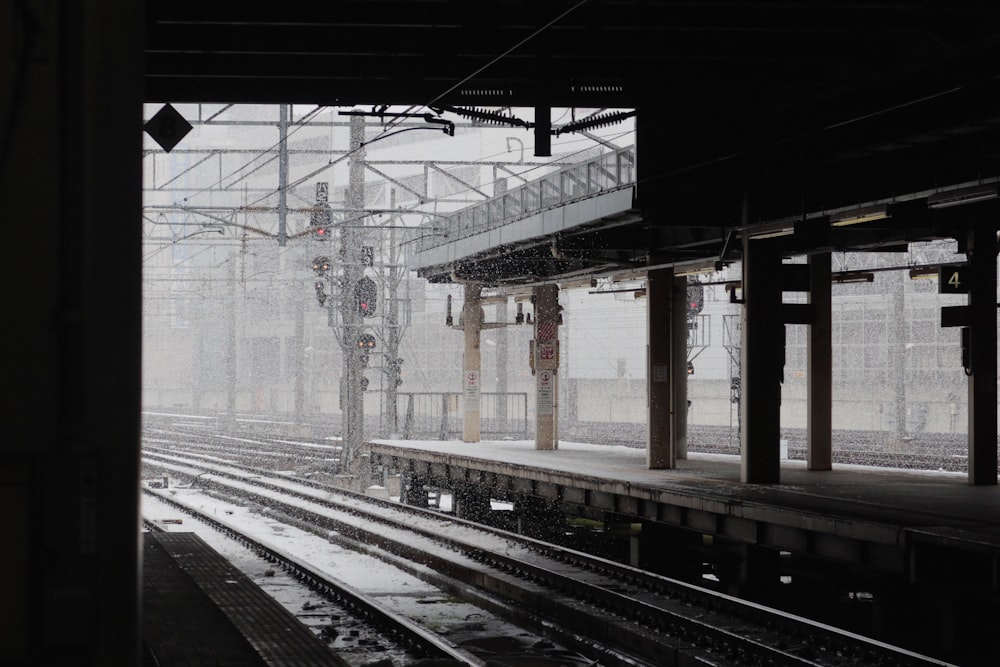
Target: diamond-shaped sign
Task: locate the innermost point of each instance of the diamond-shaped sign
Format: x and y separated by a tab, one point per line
167	127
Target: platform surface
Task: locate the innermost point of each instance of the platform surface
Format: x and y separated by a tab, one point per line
198	609
936	503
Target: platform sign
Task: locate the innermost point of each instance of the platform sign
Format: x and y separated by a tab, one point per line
471	390
661	372
545	387
953	279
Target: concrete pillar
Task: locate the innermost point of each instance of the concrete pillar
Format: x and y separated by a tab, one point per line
472	322
71	166
761	363
678	365
982	251
819	359
660	453
546	365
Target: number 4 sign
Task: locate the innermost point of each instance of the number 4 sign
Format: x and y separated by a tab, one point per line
952	279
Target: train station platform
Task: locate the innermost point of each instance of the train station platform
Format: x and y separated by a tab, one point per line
904	522
198	609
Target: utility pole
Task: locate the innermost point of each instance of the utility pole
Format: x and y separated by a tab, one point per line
231	347
351	389
393	328
299	341
282	173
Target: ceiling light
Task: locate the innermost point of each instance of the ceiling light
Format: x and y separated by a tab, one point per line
858	216
772	234
963	196
923	273
854	277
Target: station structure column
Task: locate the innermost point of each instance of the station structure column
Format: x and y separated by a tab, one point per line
679	334
819	352
982	351
546	363
660	450
472	322
761	362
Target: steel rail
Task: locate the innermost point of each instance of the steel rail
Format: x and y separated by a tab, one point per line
656	612
401	630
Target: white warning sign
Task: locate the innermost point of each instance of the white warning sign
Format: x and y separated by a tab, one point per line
471	390
545	387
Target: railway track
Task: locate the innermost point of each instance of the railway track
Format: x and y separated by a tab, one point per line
617	614
364	628
405	640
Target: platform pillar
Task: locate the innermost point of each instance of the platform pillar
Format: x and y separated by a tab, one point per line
472	322
982	251
71	166
678	363
819	353
546	365
660	452
761	363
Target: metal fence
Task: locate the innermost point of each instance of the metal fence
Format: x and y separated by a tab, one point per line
608	172
439	414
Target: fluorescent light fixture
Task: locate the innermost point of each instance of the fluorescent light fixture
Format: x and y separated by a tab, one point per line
924	273
854	277
858	216
699	269
578	282
772	234
963	196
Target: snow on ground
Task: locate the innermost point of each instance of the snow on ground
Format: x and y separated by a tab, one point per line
397	590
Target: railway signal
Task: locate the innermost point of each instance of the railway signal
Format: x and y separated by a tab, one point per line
321	265
695	299
320	218
365	297
320	294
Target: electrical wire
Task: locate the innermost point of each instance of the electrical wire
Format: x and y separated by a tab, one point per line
301	123
503	55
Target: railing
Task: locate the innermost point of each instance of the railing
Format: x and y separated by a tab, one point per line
438	415
606	173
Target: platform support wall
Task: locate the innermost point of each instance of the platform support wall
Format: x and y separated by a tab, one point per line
982	250
472	363
546	365
819	352
660	451
761	363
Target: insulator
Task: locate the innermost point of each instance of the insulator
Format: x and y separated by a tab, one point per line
489	117
599	120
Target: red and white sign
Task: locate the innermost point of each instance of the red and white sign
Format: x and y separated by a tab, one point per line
545	331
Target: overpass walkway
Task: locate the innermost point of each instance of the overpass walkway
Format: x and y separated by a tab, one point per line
570	198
